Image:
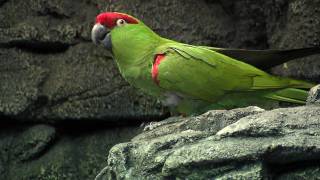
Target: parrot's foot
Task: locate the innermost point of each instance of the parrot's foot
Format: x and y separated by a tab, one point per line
183	115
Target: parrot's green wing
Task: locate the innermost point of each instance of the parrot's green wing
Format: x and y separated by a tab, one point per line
208	75
265	59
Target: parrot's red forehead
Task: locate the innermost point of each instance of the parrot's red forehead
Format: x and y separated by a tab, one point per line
109	19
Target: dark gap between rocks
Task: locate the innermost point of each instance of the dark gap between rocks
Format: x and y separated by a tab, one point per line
38	47
81	126
2	2
77	127
276	169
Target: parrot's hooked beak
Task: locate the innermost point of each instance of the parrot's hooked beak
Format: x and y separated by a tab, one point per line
101	35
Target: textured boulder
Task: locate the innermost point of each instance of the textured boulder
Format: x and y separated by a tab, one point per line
33	142
258	145
314	95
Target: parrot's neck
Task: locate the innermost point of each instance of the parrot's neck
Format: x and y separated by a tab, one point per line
131	48
134	52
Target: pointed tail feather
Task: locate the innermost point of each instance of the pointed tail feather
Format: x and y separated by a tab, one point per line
291	95
300	84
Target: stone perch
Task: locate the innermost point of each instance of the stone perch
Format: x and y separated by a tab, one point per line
245	143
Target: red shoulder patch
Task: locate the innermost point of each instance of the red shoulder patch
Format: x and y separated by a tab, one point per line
109	19
155	67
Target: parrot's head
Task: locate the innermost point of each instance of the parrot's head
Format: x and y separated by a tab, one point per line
108	22
113	29
127	38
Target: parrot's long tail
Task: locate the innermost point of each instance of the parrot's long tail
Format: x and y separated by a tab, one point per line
291	95
297	92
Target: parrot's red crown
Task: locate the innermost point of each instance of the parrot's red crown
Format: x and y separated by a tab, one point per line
109	19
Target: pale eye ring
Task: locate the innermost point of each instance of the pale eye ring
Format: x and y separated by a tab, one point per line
121	22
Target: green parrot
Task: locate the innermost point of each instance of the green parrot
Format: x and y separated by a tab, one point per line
193	79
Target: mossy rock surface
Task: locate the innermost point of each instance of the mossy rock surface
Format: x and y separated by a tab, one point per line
260	144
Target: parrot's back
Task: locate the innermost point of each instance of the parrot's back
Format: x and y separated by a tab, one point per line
204	74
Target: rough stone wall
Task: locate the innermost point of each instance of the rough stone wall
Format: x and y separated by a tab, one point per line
52	76
51	70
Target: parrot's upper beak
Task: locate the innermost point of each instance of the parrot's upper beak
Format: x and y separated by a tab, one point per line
101	35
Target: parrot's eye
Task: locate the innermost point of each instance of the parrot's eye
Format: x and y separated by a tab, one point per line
121	22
